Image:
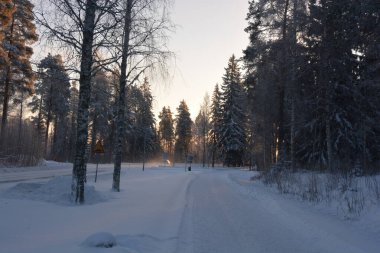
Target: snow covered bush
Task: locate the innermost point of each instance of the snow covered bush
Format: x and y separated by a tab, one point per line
348	193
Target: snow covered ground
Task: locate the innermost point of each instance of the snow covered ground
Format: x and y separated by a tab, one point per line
165	209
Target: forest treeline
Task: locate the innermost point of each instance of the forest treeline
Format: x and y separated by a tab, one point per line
308	92
305	94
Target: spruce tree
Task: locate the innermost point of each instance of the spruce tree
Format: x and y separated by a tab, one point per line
51	101
183	131
100	110
216	124
166	130
145	122
332	31
233	137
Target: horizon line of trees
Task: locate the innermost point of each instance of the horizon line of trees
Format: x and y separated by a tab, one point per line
304	95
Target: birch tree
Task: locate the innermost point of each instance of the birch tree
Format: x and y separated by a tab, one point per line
142	49
79	26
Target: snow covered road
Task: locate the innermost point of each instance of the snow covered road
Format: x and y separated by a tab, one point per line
220	218
50	170
165	210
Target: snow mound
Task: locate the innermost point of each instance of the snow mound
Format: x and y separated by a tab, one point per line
57	190
100	240
145	243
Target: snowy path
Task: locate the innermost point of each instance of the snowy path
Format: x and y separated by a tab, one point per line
167	210
219	218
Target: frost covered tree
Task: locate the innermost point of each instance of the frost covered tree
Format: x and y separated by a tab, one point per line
183	131
16	71
166	130
335	98
73	110
216	115
307	82
101	106
120	118
271	60
202	130
144	24
81	27
233	137
145	123
51	101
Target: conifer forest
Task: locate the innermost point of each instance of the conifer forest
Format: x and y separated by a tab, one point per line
305	95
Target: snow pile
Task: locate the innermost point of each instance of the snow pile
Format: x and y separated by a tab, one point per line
129	243
56	190
100	240
145	243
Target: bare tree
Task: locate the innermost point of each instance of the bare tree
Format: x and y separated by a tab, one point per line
143	49
81	27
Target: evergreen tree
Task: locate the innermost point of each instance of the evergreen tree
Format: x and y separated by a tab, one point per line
216	124
17	73
331	36
201	131
367	127
100	109
166	130
51	101
233	137
6	11
183	131
145	123
311	82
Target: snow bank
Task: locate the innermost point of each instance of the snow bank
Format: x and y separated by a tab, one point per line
57	191
100	240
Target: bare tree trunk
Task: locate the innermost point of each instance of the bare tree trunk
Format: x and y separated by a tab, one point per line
47	133
204	141
7	83
282	84
54	152
93	134
120	128
293	95
4	118
292	134
213	150
39	126
328	140
79	167
20	120
144	151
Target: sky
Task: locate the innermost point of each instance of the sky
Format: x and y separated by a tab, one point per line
208	32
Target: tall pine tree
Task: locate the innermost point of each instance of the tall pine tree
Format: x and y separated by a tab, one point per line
166	130
216	124
51	101
183	131
17	73
233	137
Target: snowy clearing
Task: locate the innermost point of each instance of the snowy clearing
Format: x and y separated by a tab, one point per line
165	209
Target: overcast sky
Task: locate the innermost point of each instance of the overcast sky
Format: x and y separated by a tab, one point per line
208	33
